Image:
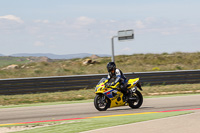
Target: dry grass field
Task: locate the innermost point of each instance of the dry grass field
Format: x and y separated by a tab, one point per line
127	63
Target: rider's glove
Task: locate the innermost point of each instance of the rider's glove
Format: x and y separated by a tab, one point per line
106	85
109	84
112	84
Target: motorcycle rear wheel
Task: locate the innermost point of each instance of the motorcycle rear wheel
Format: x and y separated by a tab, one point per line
101	102
139	100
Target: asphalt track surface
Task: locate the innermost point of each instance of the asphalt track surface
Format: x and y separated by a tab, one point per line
80	110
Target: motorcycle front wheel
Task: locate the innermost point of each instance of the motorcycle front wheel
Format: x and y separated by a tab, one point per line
138	102
101	102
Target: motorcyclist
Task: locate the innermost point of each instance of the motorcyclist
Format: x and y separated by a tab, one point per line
118	76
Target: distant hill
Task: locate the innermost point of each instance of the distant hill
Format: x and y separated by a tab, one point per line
1	55
9	60
54	56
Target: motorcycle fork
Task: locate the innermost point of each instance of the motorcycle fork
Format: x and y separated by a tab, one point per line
103	100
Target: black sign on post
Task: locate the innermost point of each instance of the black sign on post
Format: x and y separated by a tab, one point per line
125	35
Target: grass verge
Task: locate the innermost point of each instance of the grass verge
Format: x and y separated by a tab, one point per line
96	123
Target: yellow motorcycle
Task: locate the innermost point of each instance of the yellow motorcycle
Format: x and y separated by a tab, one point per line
111	96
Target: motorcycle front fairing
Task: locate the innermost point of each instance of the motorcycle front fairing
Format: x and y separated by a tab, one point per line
117	99
115	96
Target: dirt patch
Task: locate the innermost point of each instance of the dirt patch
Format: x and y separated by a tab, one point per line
174	92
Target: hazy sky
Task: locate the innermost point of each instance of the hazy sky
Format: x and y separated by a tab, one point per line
86	26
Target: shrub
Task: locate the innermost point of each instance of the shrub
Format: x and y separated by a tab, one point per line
179	67
38	71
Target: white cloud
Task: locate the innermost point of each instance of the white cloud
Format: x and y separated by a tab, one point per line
150	19
83	21
42	21
38	43
113	21
12	18
165	33
139	24
126	49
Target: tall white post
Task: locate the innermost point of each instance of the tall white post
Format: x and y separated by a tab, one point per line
112	47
